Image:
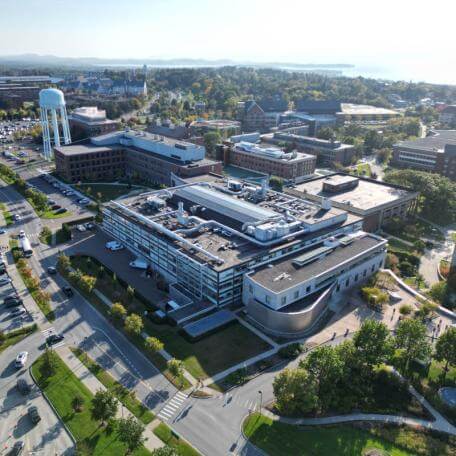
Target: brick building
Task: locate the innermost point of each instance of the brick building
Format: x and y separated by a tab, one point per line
293	166
139	155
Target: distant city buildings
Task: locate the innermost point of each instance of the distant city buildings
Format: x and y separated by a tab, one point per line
89	121
448	115
139	155
167	128
376	202
226	128
106	86
436	153
345	112
15	90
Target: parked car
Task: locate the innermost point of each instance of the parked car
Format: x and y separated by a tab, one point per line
62	210
116	246
17	312
90	226
51	270
2	231
51	202
11	297
138	264
21	359
16	217
4	281
34	414
84	201
81	228
68	291
22	234
23	386
14	303
54	339
54	207
109	244
17	448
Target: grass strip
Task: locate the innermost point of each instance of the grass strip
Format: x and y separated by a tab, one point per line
165	434
61	388
280	439
125	396
13	337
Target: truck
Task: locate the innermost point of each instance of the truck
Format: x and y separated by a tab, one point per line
26	247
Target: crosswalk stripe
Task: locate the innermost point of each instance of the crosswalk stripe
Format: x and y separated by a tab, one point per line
171	406
179	394
168	414
163	417
176	401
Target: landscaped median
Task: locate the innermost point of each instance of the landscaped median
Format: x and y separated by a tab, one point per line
280	439
73	402
171	439
126	397
13	337
42	298
205	358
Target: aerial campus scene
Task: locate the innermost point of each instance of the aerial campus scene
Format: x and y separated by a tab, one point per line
227	228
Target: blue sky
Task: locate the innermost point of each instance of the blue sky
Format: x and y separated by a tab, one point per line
399	32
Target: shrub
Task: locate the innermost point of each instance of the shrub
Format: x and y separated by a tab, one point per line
290	351
405	309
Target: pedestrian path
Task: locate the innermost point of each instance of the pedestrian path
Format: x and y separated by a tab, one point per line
93	384
173	406
49	332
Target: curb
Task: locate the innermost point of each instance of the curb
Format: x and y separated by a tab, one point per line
259	450
53	408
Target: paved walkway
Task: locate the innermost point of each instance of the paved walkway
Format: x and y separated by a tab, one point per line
93	384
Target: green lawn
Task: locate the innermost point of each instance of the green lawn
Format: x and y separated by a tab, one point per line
164	433
50	214
105	192
363	169
279	439
61	388
13	337
124	395
202	359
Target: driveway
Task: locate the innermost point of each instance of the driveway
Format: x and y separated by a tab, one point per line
431	258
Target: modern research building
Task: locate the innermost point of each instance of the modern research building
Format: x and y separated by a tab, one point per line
228	243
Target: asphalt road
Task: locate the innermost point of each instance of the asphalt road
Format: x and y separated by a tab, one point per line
82	325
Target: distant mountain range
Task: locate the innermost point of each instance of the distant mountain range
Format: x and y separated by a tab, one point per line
52	60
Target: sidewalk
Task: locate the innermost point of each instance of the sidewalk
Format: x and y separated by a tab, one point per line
93	384
29	303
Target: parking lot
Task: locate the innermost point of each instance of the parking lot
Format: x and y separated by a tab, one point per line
47	437
9	321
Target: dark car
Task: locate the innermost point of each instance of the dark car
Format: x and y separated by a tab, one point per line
68	291
55	207
51	202
9	298
62	210
90	225
51	270
54	339
14	303
23	386
33	414
17	448
2	269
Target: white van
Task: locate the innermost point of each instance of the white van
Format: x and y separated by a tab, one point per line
138	264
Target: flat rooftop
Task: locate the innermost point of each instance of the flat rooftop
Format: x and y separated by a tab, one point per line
357	109
285	273
367	195
433	143
231	247
83	147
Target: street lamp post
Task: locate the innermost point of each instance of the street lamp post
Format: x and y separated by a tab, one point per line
261	399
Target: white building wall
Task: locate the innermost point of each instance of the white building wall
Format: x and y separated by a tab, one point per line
354	276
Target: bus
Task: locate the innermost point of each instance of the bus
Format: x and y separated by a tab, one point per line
26	247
